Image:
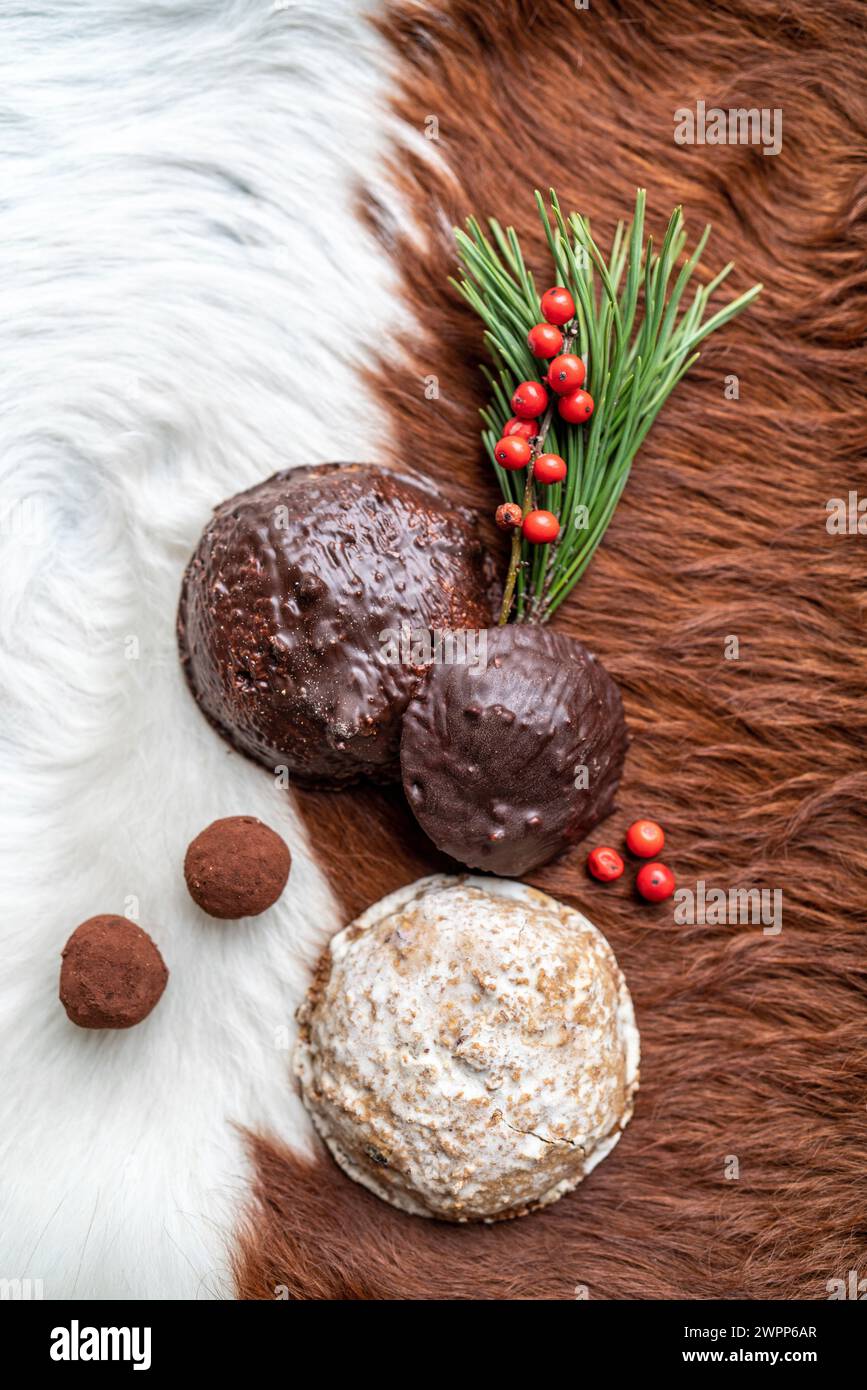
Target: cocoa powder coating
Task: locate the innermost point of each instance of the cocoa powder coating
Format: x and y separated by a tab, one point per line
237	867
112	974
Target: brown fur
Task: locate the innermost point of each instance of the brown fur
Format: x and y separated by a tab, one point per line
753	1046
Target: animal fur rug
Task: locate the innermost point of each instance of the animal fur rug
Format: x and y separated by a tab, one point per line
227	243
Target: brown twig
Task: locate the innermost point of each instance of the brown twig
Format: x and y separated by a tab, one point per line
538	447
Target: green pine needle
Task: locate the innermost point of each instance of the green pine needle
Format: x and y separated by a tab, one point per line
637	340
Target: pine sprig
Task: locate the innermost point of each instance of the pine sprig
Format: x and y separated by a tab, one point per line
637	340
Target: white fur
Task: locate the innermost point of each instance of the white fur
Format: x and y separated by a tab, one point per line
185	287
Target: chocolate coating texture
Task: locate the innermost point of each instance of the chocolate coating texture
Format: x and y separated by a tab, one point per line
490	756
288	602
111	975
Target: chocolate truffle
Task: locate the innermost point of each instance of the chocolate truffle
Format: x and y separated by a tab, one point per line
237	867
294	604
111	975
507	763
468	1050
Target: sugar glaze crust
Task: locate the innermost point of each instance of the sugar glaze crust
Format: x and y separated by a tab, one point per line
468	1049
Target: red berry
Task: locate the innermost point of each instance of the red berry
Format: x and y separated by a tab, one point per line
512	452
544	340
540	527
605	863
524	428
549	468
529	400
655	882
645	838
508	516
566	373
576	407
557	305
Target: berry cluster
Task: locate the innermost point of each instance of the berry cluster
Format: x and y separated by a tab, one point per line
523	434
645	840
